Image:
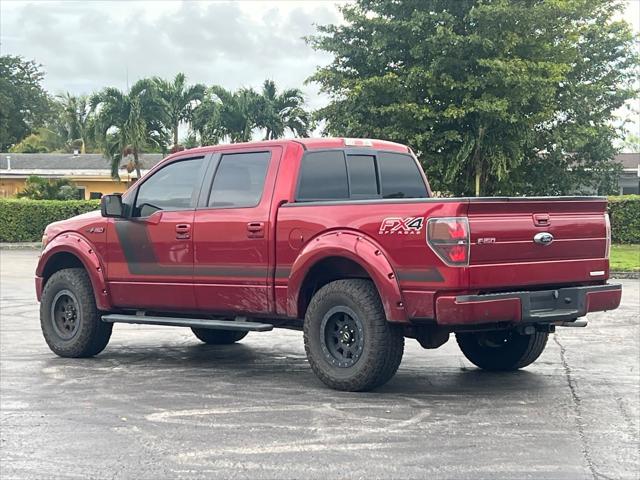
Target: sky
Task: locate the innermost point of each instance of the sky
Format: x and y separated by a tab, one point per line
84	46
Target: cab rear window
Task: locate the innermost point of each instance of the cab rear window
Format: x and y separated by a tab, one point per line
400	177
342	175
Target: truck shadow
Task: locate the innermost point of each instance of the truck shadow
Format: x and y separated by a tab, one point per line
277	367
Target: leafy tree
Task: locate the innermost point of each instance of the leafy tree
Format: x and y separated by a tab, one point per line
191	141
279	111
24	105
632	143
127	123
31	144
38	188
496	96
177	101
42	140
76	117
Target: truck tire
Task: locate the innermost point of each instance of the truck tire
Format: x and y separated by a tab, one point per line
349	343
69	318
218	337
503	350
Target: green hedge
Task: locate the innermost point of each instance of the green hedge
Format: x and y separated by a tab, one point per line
23	220
624	211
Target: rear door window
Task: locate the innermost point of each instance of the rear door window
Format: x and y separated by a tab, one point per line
239	180
400	176
323	176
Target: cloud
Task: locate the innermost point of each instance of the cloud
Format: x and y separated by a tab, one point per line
85	46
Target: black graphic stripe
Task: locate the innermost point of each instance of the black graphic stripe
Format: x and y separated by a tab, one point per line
283	272
141	258
422	275
229	271
138	250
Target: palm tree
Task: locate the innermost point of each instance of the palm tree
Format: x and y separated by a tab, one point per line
239	117
238	112
227	115
281	111
206	122
77	118
177	101
126	123
224	114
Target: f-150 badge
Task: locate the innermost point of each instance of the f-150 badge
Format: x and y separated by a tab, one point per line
401	226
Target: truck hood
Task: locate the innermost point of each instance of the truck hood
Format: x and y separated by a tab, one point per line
79	223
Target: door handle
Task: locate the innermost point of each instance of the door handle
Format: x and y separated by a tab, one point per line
183	231
541	219
255	229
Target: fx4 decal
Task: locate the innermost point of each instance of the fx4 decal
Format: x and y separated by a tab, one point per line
401	226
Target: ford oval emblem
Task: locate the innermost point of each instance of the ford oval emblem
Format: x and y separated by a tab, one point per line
543	238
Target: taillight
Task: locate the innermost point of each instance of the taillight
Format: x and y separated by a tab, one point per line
449	238
607	222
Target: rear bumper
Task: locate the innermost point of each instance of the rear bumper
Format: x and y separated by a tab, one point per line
541	306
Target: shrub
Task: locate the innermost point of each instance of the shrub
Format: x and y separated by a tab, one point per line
38	188
23	220
624	211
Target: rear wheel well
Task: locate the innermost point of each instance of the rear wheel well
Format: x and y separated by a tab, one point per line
58	262
326	271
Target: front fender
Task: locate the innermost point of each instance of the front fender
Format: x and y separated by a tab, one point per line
77	245
359	249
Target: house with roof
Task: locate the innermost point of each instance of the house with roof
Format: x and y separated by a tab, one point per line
92	176
91	173
629	182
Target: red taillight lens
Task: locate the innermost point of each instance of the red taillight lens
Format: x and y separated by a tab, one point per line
449	238
607	221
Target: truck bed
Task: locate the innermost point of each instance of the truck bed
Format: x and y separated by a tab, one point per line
503	255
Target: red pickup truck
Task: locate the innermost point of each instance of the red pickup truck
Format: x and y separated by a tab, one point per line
340	238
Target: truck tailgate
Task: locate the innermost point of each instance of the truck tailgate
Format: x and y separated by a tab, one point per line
520	241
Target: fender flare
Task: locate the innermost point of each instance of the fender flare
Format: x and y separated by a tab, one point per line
358	248
81	248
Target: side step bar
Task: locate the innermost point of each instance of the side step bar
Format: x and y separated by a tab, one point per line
189	322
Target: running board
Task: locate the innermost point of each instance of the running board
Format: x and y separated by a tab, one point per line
190	322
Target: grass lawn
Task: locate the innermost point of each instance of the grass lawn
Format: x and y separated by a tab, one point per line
625	258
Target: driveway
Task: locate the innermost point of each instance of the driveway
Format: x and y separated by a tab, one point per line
157	403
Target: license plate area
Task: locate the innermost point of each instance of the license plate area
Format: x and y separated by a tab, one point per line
563	303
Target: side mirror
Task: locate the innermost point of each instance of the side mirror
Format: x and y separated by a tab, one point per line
111	206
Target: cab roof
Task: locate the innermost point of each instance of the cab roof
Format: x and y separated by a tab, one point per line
308	144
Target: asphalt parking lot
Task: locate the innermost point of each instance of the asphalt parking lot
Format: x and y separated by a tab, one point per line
159	404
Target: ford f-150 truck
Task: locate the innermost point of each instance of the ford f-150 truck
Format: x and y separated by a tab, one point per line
340	238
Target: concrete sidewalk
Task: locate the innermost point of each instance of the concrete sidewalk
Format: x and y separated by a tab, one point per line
20	246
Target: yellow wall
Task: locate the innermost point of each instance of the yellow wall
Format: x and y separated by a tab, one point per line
9	187
103	186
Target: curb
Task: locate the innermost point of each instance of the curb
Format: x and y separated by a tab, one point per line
21	246
625	275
